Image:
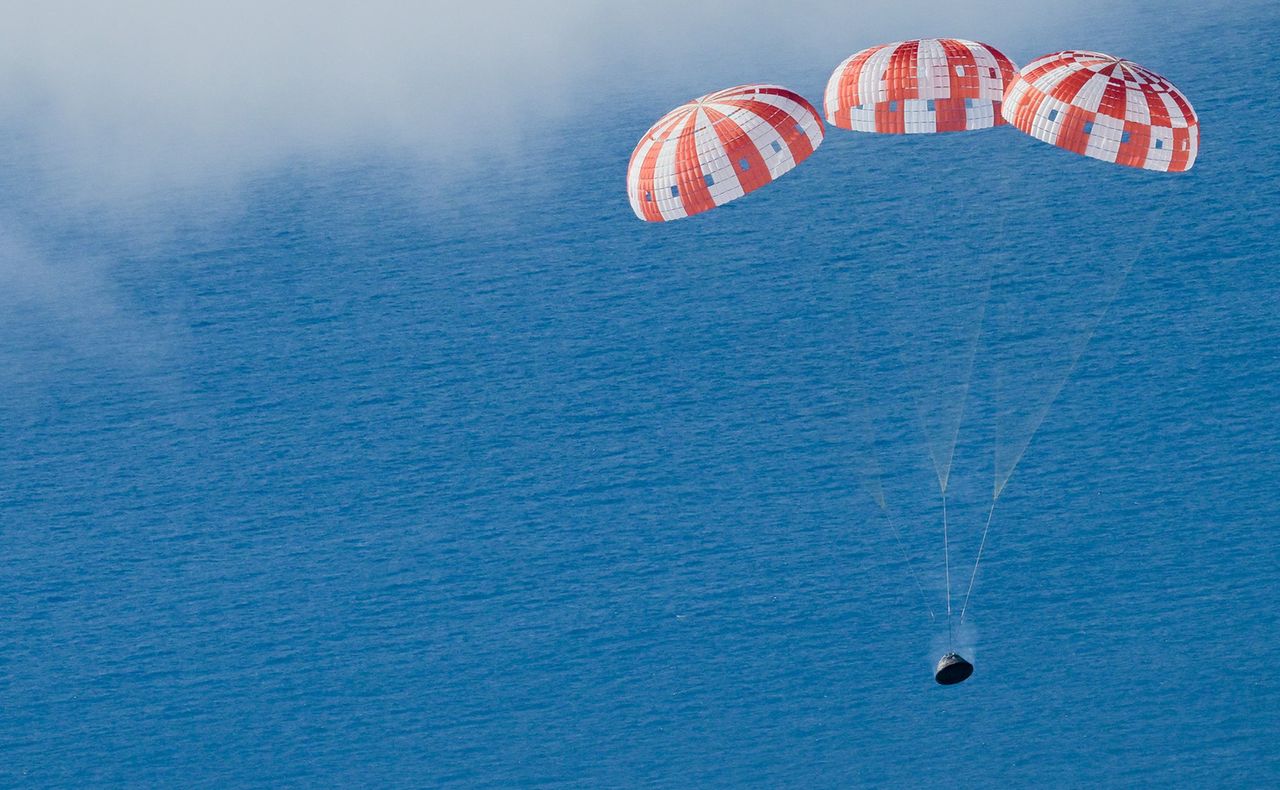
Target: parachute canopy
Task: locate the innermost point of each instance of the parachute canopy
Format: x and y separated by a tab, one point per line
1105	107
718	148
920	86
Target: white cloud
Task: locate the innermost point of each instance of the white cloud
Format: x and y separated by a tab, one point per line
69	302
136	117
154	92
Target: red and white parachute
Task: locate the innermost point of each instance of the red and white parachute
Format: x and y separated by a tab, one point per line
919	86
1106	108
718	148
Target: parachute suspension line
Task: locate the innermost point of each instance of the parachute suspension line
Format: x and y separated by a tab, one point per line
1002	481
943	470
911	568
991	511
982	545
973	357
946	560
877	494
945	477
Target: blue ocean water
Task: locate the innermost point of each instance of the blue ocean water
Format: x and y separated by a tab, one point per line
357	486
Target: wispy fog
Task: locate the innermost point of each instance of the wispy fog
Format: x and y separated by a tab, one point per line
145	93
142	115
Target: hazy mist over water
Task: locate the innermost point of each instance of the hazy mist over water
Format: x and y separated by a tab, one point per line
145	94
352	430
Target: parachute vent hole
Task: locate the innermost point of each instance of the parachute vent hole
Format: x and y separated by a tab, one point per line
932	105
800	129
675	191
744	164
777	146
648	197
1124	137
1053	115
1088	127
709	179
893	106
959	71
1159	144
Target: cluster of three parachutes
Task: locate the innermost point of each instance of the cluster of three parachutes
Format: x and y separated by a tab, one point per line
726	144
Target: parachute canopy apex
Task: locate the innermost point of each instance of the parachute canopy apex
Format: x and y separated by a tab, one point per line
919	86
1105	107
719	147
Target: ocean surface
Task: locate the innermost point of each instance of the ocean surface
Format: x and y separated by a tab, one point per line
371	484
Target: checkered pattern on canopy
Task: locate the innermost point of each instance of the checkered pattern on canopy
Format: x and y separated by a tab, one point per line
718	148
1105	107
918	87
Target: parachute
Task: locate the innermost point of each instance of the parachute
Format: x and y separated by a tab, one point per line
920	86
1105	107
718	148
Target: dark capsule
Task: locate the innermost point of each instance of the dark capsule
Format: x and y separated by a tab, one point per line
952	669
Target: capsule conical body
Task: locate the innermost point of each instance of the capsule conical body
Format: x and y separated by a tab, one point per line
952	669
